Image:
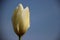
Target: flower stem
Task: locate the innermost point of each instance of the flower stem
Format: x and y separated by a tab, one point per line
19	37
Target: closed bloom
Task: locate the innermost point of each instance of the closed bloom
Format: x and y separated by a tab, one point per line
21	20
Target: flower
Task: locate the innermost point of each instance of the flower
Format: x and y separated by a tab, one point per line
21	20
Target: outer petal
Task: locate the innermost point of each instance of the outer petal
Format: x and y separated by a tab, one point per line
19	19
14	22
26	19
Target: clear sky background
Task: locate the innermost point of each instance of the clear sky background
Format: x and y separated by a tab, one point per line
45	19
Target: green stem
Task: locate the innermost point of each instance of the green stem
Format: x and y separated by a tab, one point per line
19	37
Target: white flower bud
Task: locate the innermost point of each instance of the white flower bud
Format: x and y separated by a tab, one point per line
21	20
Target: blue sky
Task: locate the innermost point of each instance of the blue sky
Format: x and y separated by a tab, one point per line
45	19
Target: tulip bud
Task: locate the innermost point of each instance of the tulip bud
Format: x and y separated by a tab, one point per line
21	20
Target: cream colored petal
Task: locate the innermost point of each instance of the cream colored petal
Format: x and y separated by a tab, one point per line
14	22
19	19
26	19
